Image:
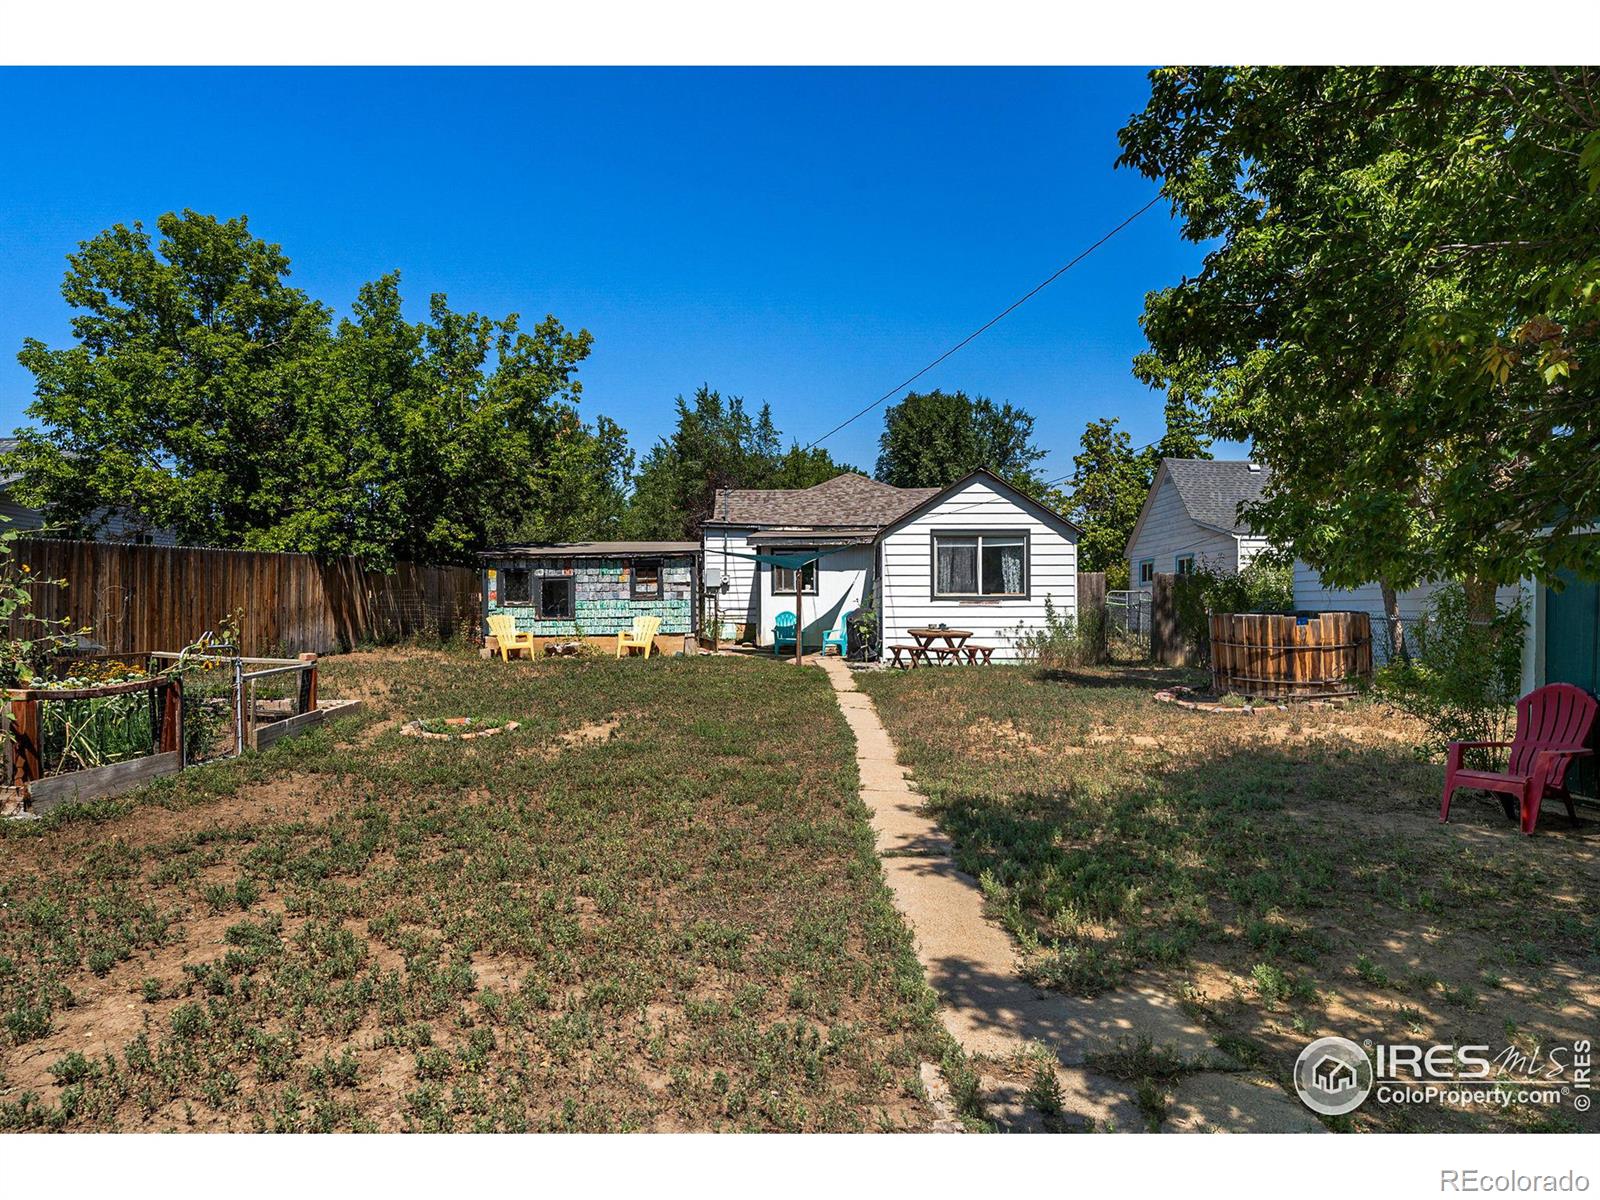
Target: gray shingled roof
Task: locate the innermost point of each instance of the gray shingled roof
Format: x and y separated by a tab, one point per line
1213	489
590	549
845	501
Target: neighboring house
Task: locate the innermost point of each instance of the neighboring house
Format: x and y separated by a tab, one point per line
1312	595
560	591
1191	518
117	526
977	555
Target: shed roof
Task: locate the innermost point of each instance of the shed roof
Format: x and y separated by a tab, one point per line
591	550
1211	490
845	501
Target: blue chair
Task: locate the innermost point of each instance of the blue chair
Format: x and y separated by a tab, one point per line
783	632
839	636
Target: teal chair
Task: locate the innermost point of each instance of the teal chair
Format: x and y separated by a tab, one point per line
839	636
783	632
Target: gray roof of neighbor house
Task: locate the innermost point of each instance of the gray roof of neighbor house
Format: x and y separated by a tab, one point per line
1212	489
7	445
845	501
590	549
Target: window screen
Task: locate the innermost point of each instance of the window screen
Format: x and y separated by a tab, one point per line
646	581
555	597
516	586
783	579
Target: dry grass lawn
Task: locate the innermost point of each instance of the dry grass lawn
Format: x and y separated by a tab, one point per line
654	907
1286	872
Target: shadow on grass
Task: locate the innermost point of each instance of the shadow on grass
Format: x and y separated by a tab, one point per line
1150	678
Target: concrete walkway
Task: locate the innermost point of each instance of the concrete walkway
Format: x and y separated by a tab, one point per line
993	1012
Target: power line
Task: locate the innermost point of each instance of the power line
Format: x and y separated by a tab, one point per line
993	321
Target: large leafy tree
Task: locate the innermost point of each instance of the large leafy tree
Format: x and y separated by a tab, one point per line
1401	308
1111	479
717	443
181	399
932	439
205	395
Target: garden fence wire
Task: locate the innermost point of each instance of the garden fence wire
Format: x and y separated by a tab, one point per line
1128	625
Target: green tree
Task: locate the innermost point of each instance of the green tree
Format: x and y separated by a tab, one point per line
584	486
193	360
932	439
205	395
1400	310
1111	479
716	444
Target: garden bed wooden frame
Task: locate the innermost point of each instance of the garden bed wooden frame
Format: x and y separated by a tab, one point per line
38	793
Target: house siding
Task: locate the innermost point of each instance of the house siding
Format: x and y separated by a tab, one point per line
602	604
1312	595
907	583
1169	531
842	579
738	603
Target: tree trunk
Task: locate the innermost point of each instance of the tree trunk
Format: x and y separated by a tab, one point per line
1480	599
1391	620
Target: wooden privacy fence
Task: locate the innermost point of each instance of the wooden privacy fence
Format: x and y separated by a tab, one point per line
1290	655
140	598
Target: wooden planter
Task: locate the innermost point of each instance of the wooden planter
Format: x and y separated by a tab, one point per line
1290	656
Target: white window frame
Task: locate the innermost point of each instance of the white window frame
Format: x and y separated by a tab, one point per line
1138	570
1010	535
1177	564
808	571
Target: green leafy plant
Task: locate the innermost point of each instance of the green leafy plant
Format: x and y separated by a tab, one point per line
1061	642
1464	674
1263	585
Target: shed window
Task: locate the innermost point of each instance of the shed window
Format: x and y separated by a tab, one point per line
980	564
1147	571
647	580
1184	564
516	586
555	597
783	578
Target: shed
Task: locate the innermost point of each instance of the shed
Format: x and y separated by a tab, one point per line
564	591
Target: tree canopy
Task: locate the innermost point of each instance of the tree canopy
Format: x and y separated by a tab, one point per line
932	439
204	394
1401	310
717	443
1111	479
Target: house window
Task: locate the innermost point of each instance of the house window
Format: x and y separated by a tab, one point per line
646	581
980	564
1184	564
516	586
783	578
555	597
1147	571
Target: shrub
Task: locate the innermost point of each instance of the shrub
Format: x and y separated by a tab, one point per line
1264	585
1464	676
1061	641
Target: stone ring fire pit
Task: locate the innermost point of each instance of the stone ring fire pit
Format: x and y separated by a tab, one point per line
454	729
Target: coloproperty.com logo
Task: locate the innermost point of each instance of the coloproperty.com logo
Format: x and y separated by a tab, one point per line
1335	1075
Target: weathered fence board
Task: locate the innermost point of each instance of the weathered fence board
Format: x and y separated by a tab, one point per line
1289	655
91	784
1092	614
1168	645
138	598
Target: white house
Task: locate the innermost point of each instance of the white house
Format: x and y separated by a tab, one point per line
111	525
1191	518
978	555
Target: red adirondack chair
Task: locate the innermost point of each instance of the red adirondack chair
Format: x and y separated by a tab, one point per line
1553	726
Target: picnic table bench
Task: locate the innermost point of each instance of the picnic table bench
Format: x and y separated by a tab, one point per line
942	645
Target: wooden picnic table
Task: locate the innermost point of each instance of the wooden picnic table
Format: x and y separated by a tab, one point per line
952	638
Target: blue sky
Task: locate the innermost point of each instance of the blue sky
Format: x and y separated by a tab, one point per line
804	237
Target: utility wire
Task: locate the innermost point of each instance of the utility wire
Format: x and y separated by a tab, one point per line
989	324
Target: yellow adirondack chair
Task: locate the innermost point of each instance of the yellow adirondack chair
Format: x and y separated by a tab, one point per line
504	628
642	638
